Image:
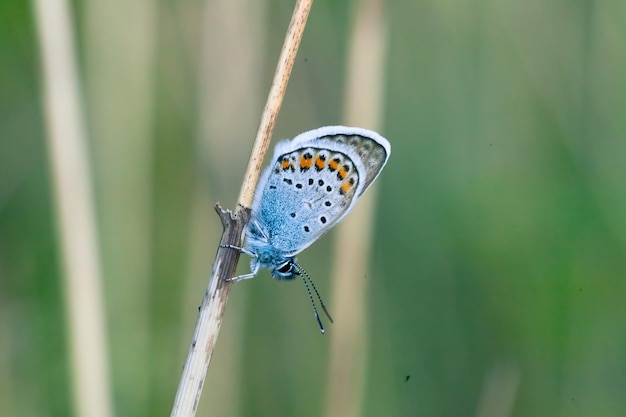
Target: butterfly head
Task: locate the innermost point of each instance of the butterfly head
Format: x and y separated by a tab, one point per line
286	270
281	267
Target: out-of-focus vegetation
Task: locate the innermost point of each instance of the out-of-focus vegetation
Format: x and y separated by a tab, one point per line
497	284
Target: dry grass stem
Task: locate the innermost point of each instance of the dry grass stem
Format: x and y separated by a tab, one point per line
214	302
275	99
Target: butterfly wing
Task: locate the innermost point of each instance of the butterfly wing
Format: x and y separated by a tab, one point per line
313	182
370	148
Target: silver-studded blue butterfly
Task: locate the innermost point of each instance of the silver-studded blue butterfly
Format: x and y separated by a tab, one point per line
313	182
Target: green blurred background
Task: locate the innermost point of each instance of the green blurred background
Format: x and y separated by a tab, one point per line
496	287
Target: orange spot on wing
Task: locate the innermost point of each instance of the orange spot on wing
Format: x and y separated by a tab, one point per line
305	163
286	163
341	174
333	165
319	163
345	187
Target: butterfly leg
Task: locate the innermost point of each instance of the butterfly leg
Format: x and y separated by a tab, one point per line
242	250
241	277
244	276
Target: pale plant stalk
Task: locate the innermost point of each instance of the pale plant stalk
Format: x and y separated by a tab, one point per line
75	213
499	390
232	52
214	302
364	103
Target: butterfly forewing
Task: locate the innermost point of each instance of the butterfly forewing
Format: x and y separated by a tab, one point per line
313	181
370	148
307	191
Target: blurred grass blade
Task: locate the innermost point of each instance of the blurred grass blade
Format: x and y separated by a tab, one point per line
499	390
364	104
75	210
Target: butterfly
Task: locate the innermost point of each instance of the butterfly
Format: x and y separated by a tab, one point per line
313	182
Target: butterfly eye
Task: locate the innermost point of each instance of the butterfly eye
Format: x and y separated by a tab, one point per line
285	268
